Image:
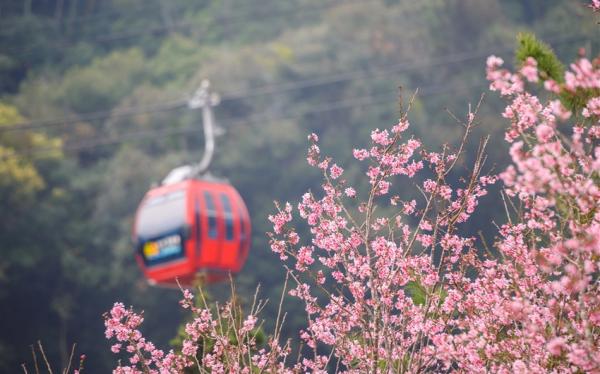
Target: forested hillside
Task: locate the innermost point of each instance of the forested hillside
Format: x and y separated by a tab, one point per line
93	110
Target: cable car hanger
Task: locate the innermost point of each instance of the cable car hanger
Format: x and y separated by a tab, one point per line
205	99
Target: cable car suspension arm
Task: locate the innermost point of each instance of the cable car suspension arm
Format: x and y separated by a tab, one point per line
206	100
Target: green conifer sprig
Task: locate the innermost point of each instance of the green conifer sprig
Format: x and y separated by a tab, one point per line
549	66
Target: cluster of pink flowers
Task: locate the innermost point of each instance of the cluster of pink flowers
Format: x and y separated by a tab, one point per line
407	292
122	325
387	302
544	294
390	285
216	342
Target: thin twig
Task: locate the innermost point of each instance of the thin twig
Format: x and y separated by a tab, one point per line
283	291
505	207
35	363
70	359
44	356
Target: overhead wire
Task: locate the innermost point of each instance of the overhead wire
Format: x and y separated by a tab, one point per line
98	115
238	95
279	88
370	100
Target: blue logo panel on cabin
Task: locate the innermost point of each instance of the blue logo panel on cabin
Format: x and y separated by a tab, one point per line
162	250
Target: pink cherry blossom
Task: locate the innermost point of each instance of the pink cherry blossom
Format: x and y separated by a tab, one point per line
389	285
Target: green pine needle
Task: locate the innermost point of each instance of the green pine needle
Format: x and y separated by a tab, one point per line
549	65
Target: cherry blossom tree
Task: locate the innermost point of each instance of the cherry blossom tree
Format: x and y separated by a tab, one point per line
393	285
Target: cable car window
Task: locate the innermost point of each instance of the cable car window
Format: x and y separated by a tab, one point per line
161	215
211	213
228	228
197	226
226	204
210	203
212	227
243	239
228	217
242	226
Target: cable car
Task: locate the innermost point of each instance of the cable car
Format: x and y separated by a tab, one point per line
190	227
193	227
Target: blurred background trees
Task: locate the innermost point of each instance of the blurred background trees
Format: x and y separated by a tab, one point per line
93	110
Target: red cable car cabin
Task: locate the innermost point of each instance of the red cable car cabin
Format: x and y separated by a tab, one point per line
188	227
